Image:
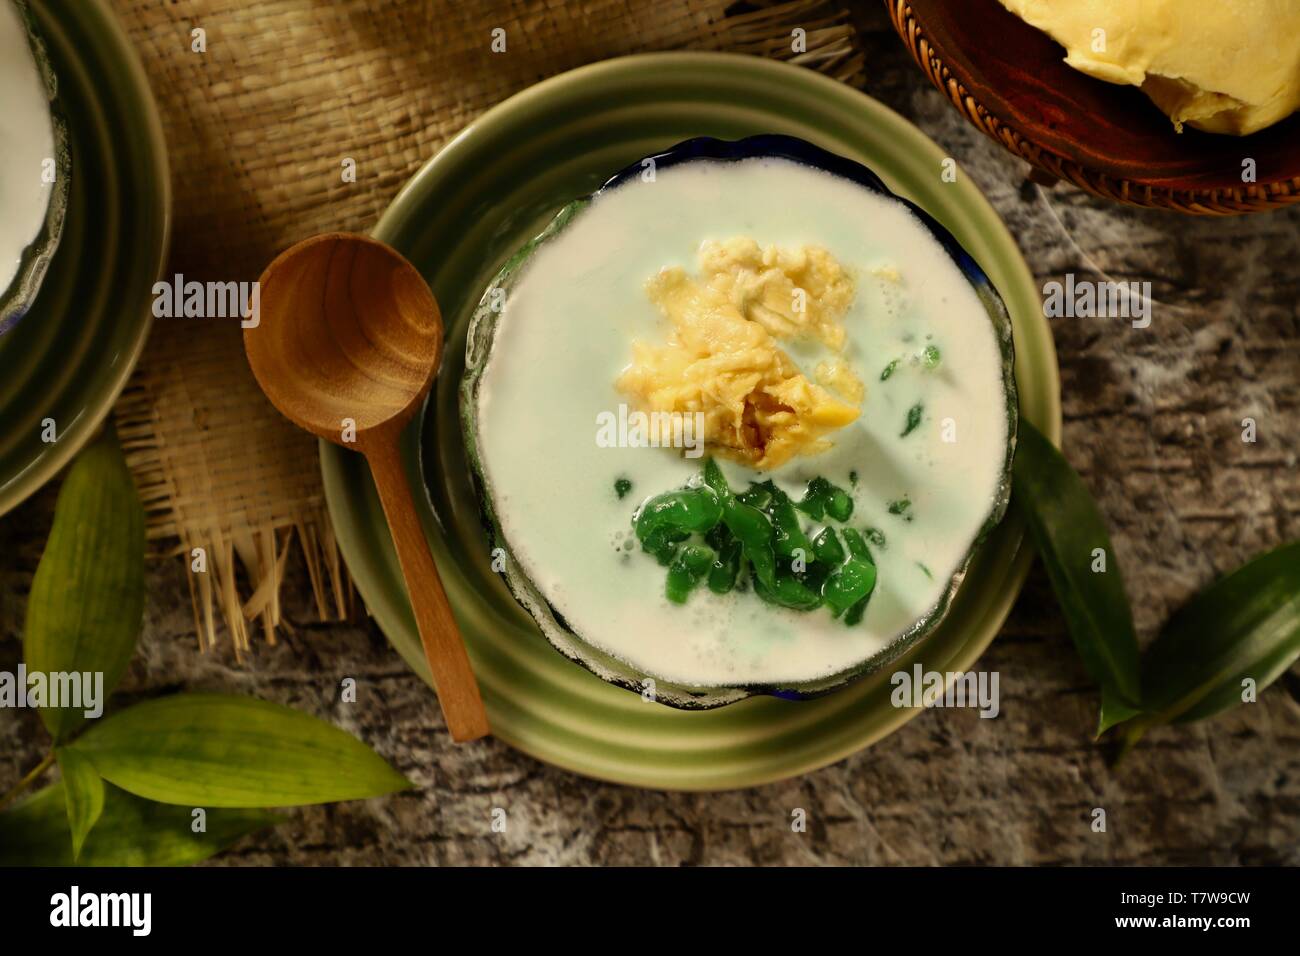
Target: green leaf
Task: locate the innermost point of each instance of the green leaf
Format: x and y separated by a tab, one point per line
1067	530
87	598
218	751
1246	625
1114	711
83	789
131	832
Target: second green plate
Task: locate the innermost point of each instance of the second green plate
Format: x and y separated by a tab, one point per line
463	214
69	358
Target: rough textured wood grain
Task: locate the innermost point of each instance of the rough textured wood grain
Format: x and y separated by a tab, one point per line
1153	421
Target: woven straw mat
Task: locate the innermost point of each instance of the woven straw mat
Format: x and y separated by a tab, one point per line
256	126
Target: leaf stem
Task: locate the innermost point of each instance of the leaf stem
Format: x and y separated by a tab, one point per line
27	781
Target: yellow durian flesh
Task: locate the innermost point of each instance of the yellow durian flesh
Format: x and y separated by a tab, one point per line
722	358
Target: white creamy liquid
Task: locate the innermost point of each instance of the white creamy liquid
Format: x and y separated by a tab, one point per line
26	142
565	334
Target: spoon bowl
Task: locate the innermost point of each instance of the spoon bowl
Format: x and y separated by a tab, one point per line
348	333
346	342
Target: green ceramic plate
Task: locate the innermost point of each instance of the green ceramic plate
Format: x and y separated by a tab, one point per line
69	357
18	298
473	205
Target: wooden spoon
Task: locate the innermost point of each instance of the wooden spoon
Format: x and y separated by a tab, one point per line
346	344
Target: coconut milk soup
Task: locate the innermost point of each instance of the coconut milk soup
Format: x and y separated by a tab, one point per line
26	145
623	293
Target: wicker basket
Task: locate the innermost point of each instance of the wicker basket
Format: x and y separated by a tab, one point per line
928	28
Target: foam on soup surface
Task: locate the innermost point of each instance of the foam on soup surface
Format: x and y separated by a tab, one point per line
564	339
26	145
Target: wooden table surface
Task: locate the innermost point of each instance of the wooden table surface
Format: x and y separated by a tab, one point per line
1152	421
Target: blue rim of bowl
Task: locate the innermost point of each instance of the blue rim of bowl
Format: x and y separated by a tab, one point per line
572	645
17	299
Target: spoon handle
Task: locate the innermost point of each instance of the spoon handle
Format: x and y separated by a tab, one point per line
444	648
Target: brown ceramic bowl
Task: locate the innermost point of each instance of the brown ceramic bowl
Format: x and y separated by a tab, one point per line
1011	81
